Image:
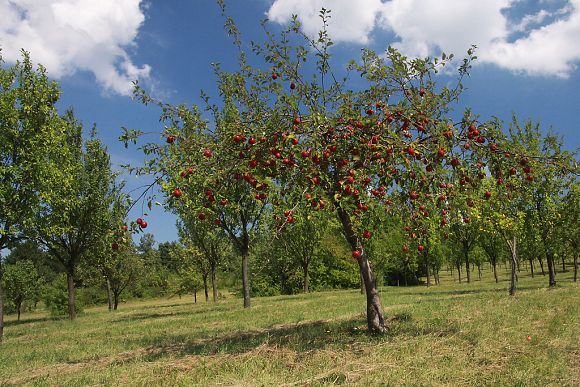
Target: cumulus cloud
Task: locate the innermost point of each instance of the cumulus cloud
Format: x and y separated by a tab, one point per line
67	36
545	44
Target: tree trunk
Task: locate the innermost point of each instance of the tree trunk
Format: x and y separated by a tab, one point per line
305	277
195	296
458	265
494	268
542	265
109	295
514	266
563	263
479	270
375	320
214	283
205	289
532	266
428	269
18	309
72	312
575	266
467	271
436	275
116	300
362	285
245	278
1	305
551	270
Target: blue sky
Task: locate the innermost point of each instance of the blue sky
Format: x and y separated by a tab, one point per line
528	54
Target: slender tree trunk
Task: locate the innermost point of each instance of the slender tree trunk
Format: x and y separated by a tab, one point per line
205	289
551	270
575	266
305	277
195	296
72	312
479	270
563	263
514	266
436	275
494	268
428	269
458	265
246	279
375	320
19	309
1	304
466	254
109	295
541	265
214	283
116	300
532	266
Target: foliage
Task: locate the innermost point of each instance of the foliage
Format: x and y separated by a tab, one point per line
22	285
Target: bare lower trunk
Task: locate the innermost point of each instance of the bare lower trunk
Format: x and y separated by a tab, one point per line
479	271
428	270
109	295
436	275
246	279
305	278
195	296
575	267
214	284
375	320
458	265
116	300
563	264
18	310
494	267
532	267
551	270
362	285
542	265
205	289
72	312
467	271
514	267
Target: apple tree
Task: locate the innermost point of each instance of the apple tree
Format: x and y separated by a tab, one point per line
294	133
30	136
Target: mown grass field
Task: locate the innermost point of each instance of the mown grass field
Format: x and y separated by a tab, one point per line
451	334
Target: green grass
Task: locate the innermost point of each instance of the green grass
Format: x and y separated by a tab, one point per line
451	334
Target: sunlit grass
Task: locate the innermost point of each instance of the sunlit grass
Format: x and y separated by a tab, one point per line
453	334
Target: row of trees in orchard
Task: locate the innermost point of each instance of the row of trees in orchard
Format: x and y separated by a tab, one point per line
291	139
57	190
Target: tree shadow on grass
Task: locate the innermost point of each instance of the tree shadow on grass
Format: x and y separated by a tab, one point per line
300	337
30	320
434	292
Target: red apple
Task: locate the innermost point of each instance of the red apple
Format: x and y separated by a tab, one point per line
356	254
177	193
487	194
207	153
292	85
420	248
366	234
274	76
170	139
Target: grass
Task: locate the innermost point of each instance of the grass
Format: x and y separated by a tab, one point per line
451	334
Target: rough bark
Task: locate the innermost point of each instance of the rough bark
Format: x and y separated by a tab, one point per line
72	312
214	283
375	320
246	279
109	294
551	270
116	300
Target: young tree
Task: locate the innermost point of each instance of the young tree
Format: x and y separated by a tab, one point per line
78	215
31	133
22	283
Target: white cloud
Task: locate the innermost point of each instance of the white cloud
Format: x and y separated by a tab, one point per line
425	27
67	36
